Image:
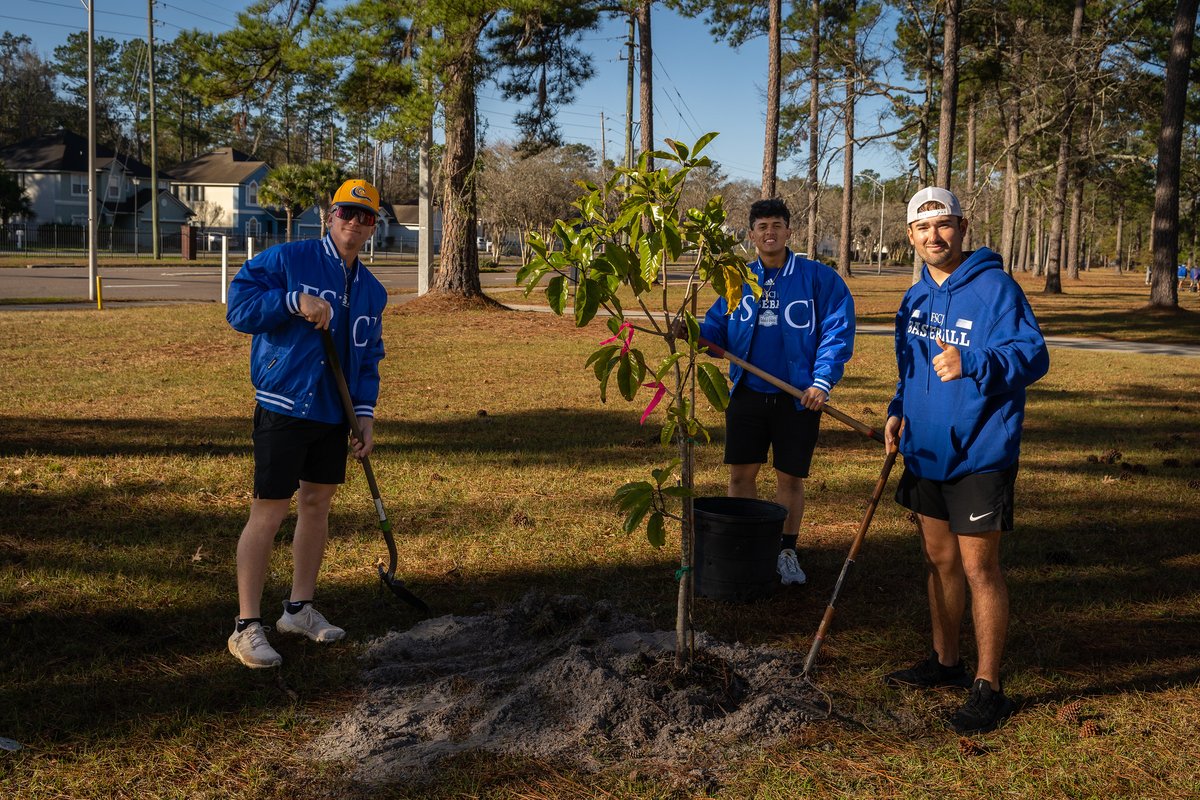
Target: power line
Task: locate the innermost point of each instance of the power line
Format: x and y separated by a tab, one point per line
194	14
77	28
74	7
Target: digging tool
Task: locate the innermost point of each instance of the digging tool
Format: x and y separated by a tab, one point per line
819	639
720	352
389	576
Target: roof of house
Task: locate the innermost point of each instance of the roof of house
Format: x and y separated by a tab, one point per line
405	213
142	199
64	151
223	166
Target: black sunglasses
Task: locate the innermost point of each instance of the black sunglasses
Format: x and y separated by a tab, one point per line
354	214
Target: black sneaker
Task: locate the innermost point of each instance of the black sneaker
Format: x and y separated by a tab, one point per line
929	674
984	710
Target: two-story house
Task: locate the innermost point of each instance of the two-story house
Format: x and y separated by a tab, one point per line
53	170
221	189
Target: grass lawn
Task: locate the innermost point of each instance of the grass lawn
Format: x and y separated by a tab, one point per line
125	479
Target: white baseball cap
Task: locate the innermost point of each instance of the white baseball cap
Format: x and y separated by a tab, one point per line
933	194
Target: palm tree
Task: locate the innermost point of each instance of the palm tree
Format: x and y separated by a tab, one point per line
288	187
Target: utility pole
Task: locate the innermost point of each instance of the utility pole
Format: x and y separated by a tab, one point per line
425	268
603	152
157	240
629	97
91	155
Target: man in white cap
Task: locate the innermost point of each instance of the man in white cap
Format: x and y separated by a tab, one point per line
286	296
967	345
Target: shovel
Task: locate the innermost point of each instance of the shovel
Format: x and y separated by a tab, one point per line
888	462
720	352
389	576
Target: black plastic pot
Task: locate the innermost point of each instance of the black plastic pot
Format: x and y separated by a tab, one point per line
737	545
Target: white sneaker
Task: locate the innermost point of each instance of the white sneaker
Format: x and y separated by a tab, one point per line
252	648
310	623
789	568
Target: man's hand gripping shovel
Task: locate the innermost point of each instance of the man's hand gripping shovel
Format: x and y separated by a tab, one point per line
388	576
888	462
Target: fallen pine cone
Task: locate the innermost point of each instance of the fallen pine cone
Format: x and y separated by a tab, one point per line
1089	729
1069	713
970	747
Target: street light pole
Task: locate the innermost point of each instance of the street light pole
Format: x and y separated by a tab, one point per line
882	199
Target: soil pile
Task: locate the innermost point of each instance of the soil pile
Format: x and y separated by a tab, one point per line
561	678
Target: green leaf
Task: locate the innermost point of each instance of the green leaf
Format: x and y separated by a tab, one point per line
667	432
656	530
666	365
678	491
625	381
662	474
587	301
633	494
713	384
635	517
556	293
703	141
603	354
614	325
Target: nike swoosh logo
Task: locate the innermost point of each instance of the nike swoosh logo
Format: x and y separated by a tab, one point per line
974	518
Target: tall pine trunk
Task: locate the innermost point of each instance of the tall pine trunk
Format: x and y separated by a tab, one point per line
459	270
1165	237
1054	263
814	126
774	80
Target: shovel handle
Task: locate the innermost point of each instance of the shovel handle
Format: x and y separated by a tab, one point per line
846	419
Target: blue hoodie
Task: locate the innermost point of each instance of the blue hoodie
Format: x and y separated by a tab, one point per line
972	424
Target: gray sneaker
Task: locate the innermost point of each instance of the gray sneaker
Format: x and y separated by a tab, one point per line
252	648
789	568
309	622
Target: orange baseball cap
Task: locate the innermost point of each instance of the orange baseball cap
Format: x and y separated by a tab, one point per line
357	193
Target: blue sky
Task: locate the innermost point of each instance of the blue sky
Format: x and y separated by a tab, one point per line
699	85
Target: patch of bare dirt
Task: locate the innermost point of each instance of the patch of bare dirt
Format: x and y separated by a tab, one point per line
564	679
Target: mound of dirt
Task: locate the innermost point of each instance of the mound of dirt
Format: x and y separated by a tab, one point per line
561	678
438	303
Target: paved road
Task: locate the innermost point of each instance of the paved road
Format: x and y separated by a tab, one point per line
192	282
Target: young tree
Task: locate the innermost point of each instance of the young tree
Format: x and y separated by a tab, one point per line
628	249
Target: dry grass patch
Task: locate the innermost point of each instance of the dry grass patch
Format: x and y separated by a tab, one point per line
124	481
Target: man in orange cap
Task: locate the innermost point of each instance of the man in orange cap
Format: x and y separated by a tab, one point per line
285	297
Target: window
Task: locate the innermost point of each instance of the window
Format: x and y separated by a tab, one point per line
252	194
79	185
252	227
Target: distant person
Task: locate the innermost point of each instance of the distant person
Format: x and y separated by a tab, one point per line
1182	275
1196	278
967	345
801	330
285	297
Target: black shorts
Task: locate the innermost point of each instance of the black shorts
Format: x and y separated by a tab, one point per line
978	503
288	450
755	421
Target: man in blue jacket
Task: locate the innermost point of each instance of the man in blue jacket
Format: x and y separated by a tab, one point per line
967	345
800	330
286	296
